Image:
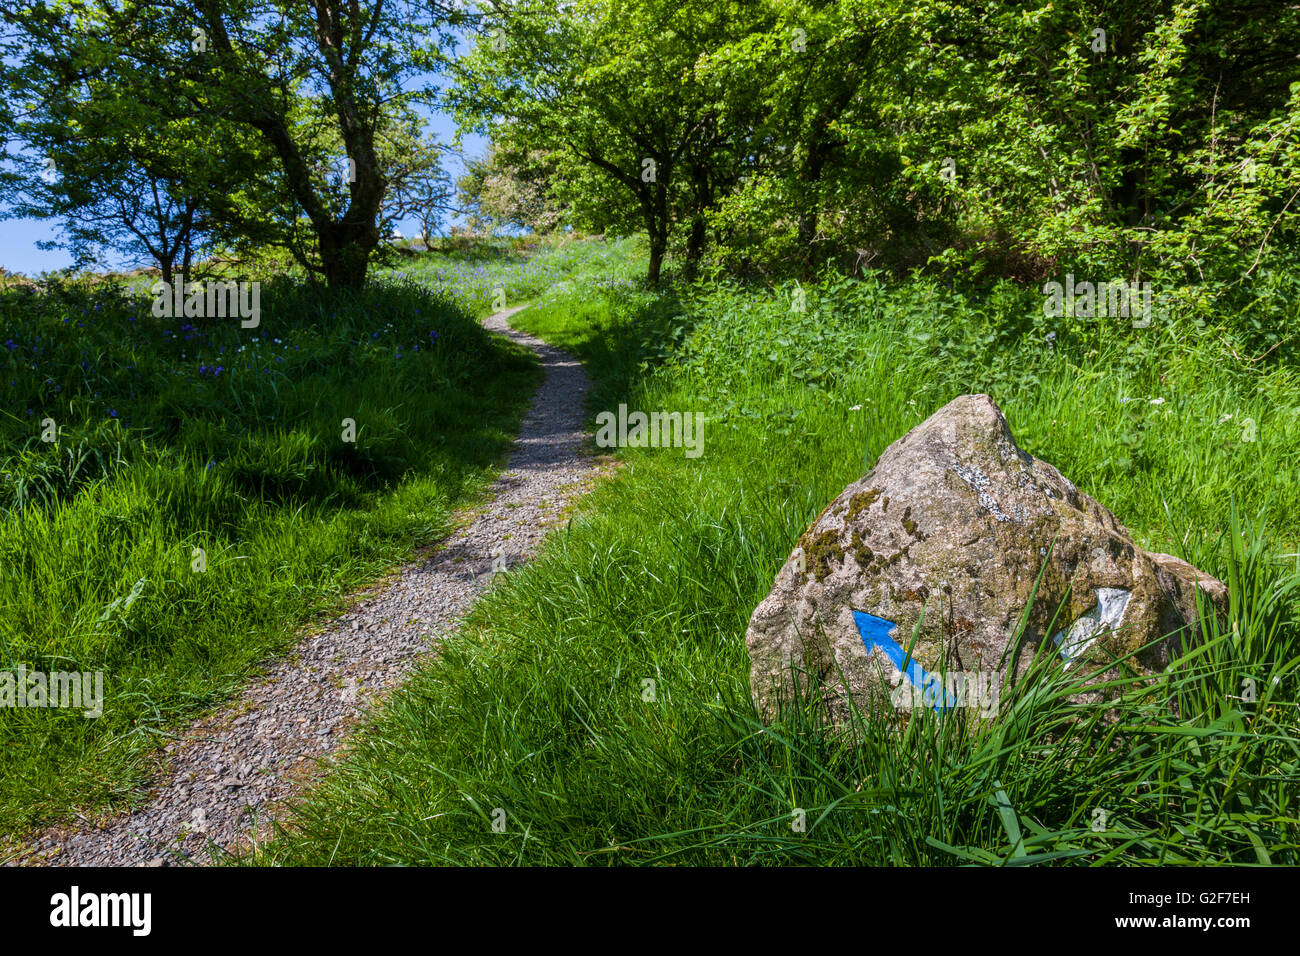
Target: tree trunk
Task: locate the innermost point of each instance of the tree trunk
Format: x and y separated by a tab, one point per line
345	254
697	237
658	246
187	236
654	207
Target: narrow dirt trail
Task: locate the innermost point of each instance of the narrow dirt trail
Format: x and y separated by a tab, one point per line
225	774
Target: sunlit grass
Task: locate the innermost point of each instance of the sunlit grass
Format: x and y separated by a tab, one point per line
542	708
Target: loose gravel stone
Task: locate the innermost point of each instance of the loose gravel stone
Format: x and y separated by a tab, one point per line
209	795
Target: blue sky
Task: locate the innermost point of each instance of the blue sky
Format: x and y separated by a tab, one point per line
18	237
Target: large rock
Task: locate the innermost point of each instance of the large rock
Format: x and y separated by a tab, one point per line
957	521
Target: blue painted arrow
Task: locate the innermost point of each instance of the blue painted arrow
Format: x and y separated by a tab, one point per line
875	633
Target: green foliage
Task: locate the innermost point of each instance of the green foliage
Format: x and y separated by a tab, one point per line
1163	148
1007	139
539	708
510	189
609	86
232	109
176	435
923	168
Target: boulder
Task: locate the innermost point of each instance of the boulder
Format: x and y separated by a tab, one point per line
944	542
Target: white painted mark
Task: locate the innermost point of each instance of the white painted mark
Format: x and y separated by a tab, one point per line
1106	616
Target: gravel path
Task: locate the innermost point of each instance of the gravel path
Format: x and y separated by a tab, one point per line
226	773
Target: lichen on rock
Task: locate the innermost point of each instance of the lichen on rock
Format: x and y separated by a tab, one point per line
955	535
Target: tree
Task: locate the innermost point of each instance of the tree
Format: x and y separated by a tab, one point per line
511	188
419	187
128	210
1121	137
105	159
277	70
610	83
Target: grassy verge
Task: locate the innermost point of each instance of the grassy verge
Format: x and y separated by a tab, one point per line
203	499
597	711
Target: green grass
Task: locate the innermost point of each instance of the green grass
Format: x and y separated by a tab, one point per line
176	435
487	273
541	708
